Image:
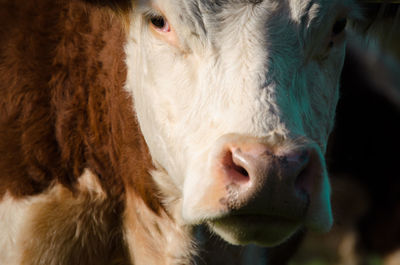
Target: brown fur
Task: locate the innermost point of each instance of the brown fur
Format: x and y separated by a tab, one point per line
62	100
63	109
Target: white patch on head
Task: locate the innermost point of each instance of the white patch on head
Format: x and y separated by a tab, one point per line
257	70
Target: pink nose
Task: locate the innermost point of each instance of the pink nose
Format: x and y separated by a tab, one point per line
267	180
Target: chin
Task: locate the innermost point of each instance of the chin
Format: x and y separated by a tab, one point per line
254	229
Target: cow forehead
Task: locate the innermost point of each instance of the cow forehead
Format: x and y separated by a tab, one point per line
198	9
301	6
207	17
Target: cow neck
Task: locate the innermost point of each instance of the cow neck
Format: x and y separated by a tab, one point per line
109	139
69	112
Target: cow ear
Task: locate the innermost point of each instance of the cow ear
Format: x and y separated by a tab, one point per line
380	22
378	18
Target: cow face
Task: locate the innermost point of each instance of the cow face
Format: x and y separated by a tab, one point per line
236	100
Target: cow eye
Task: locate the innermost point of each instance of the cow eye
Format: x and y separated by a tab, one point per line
160	23
339	26
160	27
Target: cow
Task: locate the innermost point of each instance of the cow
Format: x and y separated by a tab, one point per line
126	124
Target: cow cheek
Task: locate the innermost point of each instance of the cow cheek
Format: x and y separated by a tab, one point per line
203	193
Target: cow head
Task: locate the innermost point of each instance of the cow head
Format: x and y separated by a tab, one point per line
236	100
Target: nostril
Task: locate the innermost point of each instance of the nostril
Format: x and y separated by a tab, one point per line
299	167
234	171
241	170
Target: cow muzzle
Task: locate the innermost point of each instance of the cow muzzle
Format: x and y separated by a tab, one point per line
264	191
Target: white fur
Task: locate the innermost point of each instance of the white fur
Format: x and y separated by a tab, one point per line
157	239
17	217
13	215
259	73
